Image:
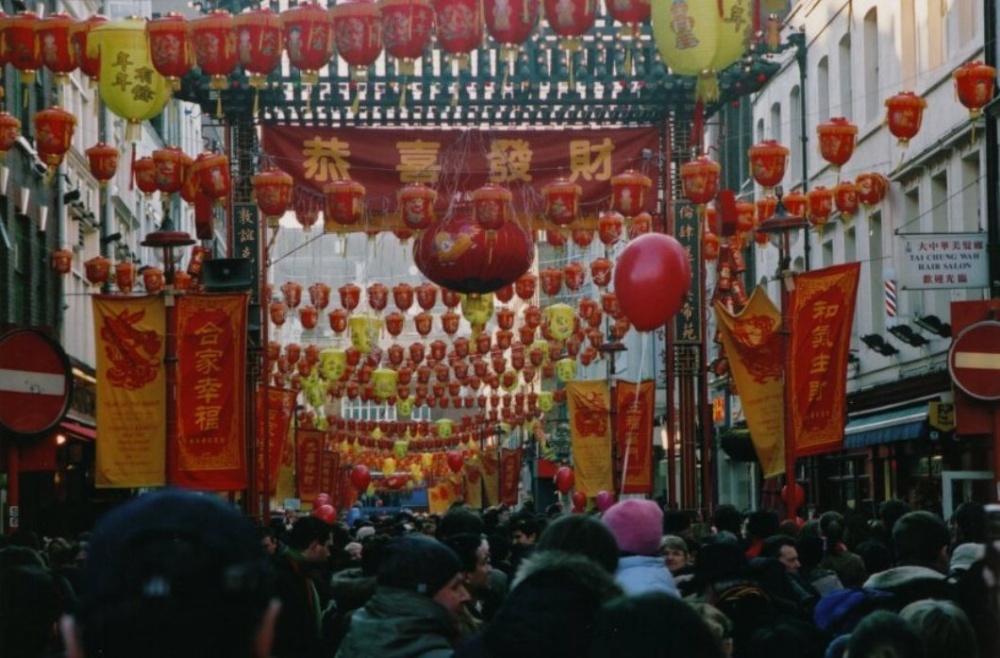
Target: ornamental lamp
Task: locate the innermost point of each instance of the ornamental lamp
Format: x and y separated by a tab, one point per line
55	48
10	130
628	189
561	199
768	160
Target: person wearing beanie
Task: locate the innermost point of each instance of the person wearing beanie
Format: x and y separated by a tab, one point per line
417	606
636	525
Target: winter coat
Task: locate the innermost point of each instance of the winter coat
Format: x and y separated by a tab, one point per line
913	583
399	623
642	573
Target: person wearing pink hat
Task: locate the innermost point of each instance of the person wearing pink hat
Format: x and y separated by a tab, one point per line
638	526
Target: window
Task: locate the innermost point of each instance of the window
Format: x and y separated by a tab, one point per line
823	88
776	121
970	212
932	41
844	75
939	202
873	95
876	293
795	132
908	44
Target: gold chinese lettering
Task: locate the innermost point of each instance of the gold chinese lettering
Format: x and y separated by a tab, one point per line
326	160
418	161
510	160
590	161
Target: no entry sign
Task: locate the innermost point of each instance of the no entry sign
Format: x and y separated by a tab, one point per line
35	382
974	360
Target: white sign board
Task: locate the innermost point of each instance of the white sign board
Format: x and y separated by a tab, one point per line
938	261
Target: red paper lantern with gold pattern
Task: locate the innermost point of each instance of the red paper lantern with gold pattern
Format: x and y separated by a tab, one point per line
768	160
845	196
820	202
796	203
872	188
765	208
427	294
424	322
97	270
631	15
601	271
144	175
212	173
510	22
700	179
570	19
338	320
214	38
582	237
555	238
416	206
53	134
836	140
744	216
350	295
974	83
551	279
609	227
357	29
710	245
259	43
171	168
21	44
573	276
55	47
62	261
407	26
309	41
170	47
306	214
291	291
402	296
491	206
344	201
640	225
378	296
272	190
459	27
450	298
450	321
394	323
319	295
904	114
525	285
628	189
561	200
79	32
505	293
10	130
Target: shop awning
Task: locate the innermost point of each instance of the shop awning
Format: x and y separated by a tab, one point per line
77	430
901	424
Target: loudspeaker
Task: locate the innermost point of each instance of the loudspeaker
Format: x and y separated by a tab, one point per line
227	274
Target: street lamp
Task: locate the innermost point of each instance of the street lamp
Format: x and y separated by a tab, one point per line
779	228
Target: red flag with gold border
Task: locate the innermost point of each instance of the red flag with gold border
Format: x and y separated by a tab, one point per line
590	432
209	450
634	435
510	475
491	477
309	463
269	444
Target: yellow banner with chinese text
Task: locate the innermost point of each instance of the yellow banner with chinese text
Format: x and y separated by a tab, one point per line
589	404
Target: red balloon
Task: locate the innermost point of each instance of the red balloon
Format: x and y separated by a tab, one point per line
565	478
797	499
652	278
604	499
579	500
361	477
322	499
455	461
326	513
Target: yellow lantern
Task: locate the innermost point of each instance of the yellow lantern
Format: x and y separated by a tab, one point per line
445	427
128	83
364	332
332	363
545	401
416	474
400	448
560	320
388	466
427	460
404	407
477	309
566	370
384	383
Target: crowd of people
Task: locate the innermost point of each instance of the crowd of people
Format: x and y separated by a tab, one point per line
176	573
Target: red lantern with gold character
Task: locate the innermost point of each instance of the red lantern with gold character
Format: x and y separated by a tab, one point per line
872	188
10	130
796	203
103	161
394	323
836	140
350	295
212	173
582	237
744	216
628	189
402	296
510	23
640	225
272	189
551	279
765	208
573	276
378	296
459	28
600	272
55	47
338	320
308	30
144	175
700	179
214	39
524	287
609	227
79	32
974	83
62	261
21	44
450	298
344	201
820	202
570	19
562	201
171	166
170	47
97	270
491	206
904	114
53	135
555	238
416	206
710	245
427	294
845	196
407	26
357	28
259	43
768	160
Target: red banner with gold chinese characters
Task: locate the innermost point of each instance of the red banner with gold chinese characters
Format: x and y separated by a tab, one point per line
634	435
822	313
491	477
309	463
209	450
269	445
590	433
510	475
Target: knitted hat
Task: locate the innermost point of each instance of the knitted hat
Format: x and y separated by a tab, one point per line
636	524
418	563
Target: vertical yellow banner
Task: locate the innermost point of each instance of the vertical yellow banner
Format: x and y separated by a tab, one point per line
131	391
590	433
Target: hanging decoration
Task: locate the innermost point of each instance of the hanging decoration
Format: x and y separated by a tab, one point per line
79	35
836	140
700	179
171	166
570	19
309	42
652	278
628	189
609	227
510	23
54	128
103	161
459	28
491	208
170	47
259	45
845	196
820	204
407	26
21	45
416	206
357	27
213	37
974	84
10	130
797	203
904	114
212	173
144	175
561	201
54	45
272	190
345	203
872	188
768	160
631	14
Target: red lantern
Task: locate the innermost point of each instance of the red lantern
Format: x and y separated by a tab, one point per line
170	47
609	227
555	238
794	498
309	42
905	112
306	214
171	166
820	201
272	189
394	323
551	279
407	26
845	196
570	19
10	130
292	293
144	175
424	322
765	208
710	245
21	44
652	278
450	298
402	296
350	295
55	47
767	163
505	293
562	201
796	203
700	179
378	296
416	206
640	225
53	135
319	295
259	43
338	320
459	28
308	316
450	321
344	201
455	254
62	261
212	172
974	82
872	188
455	461
628	189
79	32
491	206
427	294
744	216
573	275
97	270
525	285
357	29
600	272
214	38
582	237
836	140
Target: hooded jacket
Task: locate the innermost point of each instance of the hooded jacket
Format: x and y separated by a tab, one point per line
399	623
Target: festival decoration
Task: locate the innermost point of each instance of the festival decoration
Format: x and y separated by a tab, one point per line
144	175
652	278
62	261
171	166
768	160
510	23
308	33
360	477
54	46
407	26
20	44
357	29
836	140
820	203
872	188
845	197
700	179
170	47
459	28
416	206
628	189
10	130
79	35
561	200
344	201
214	39
904	114
609	227
564	479
259	45
974	83
54	128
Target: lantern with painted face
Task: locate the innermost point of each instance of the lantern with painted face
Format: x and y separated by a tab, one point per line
560	318
384	383
566	370
364	332
332	364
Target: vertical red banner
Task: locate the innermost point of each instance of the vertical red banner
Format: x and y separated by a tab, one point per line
329	466
491	477
821	313
269	441
309	461
510	475
634	435
209	451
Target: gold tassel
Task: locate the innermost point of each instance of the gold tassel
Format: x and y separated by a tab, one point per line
356	104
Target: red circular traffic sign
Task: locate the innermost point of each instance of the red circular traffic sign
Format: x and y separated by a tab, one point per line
35	382
974	360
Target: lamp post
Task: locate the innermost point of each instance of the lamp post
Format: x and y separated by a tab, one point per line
779	228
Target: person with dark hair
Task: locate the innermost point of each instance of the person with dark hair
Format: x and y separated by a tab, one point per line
821	579
307	550
29	612
458	520
676	522
524	531
921	540
884	634
350	589
579	533
761	524
174	574
653	625
417	606
849	566
728	519
943	626
473	552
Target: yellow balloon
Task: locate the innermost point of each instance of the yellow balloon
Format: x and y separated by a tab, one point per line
384	383
377	433
736	29
560	320
477	309
332	364
400	448
129	84
687	34
566	370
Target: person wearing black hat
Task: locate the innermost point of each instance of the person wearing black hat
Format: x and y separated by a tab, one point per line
417	606
174	574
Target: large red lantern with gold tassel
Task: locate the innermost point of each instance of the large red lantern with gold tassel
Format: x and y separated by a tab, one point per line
214	39
21	44
974	83
510	23
407	26
10	130
345	203
144	175
459	28
700	179
872	188
212	173
308	30
768	160
272	189
103	161
79	32
416	206
172	165
836	140
628	189
259	43
357	29
904	114
170	47
820	202
845	196
53	135
562	201
54	45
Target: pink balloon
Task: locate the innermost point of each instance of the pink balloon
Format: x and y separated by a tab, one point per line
326	513
604	500
652	278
